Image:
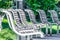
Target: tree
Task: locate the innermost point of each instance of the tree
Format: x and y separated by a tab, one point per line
41	4
5	3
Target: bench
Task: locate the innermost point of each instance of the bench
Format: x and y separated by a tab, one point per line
44	20
55	19
19	24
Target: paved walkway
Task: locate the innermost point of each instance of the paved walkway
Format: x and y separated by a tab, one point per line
54	37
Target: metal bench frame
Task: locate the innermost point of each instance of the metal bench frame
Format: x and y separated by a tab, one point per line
44	21
23	18
33	19
55	19
16	27
1	18
18	24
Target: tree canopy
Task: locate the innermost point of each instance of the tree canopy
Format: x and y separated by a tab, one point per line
42	4
6	3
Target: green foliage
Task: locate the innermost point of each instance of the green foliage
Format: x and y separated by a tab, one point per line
41	4
5	20
7	34
5	3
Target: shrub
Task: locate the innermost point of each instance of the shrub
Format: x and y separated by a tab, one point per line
5	3
41	4
7	34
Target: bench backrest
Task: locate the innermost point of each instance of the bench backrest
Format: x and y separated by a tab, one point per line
42	16
16	18
23	18
54	15
31	15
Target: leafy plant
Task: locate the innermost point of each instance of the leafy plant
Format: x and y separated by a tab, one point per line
7	34
5	3
41	4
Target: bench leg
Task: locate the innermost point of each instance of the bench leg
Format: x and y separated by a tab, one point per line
23	38
20	37
28	37
46	29
50	30
57	29
17	37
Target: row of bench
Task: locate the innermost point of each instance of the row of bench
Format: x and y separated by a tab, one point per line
44	19
22	27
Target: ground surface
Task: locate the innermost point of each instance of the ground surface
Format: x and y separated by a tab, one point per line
54	37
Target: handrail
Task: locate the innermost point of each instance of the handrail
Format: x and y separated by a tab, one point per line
55	19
